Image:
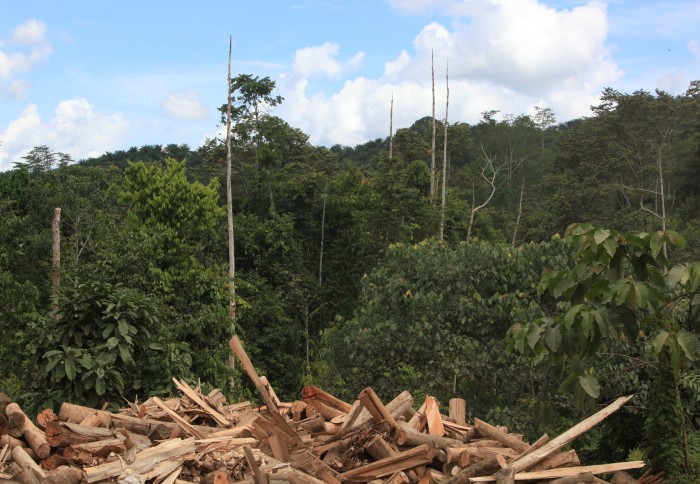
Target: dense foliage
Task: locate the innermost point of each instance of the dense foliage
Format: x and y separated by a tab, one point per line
342	278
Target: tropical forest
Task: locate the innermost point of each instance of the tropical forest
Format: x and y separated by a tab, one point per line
536	268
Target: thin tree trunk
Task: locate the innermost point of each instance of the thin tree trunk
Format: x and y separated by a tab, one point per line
433	190
391	132
229	210
444	158
323	230
56	255
520	212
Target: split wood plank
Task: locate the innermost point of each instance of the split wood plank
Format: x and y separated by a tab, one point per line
179	420
192	395
145	460
568	471
237	348
402	461
433	417
560	441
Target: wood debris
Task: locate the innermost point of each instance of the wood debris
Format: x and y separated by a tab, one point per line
199	438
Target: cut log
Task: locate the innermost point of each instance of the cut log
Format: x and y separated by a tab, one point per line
486	466
100	448
408	436
560	459
311	392
560	441
237	348
217	477
578	478
506	439
20	456
568	471
64	475
433	417
145	460
400	404
375	407
15	420
458	410
60	434
400	462
8	440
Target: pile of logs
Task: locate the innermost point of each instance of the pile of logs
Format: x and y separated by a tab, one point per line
319	438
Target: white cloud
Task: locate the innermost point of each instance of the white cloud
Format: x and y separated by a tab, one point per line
26	47
694	48
323	60
185	105
503	54
75	129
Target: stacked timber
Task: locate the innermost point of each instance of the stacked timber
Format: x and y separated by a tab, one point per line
317	439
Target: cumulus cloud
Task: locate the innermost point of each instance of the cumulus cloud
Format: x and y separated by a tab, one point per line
506	55
22	51
323	60
75	128
185	105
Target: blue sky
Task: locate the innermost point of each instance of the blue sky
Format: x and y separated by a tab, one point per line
88	77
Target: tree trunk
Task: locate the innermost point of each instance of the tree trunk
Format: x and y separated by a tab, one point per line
433	191
56	255
444	160
229	212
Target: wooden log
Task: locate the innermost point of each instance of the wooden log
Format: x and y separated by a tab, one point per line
192	395
378	448
375	407
486	466
252	464
415	420
144	461
20	456
560	441
458	410
313	425
237	348
179	420
53	461
402	461
99	448
60	434
219	476
408	436
314	393
398	478
400	404
506	439
8	440
17	421
278	444
311	464
538	443
578	478
561	459
3	424
433	417
568	471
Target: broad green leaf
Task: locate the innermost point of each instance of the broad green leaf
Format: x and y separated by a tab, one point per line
677	274
601	235
534	333
125	354
100	386
590	385
552	337
676	239
656	243
70	369
689	343
123	327
660	341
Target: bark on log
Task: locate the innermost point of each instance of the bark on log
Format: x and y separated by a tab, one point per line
568	471
584	477
64	475
506	439
311	392
400	462
20	456
11	441
375	407
60	434
486	466
217	477
408	436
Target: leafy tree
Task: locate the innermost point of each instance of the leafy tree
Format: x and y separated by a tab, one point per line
622	288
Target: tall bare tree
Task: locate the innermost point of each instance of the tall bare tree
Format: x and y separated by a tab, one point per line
391	128
433	190
229	209
489	172
444	154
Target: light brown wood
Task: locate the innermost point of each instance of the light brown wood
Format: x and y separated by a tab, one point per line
64	475
560	459
179	420
568	471
458	410
278	444
192	395
18	422
20	456
408	436
8	440
402	461
560	441
375	407
237	348
60	434
400	404
488	430
433	417
219	476
56	253
578	478
486	466
315	393
145	460
378	448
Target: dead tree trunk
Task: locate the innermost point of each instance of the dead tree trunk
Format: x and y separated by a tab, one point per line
433	190
444	157
229	210
56	255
